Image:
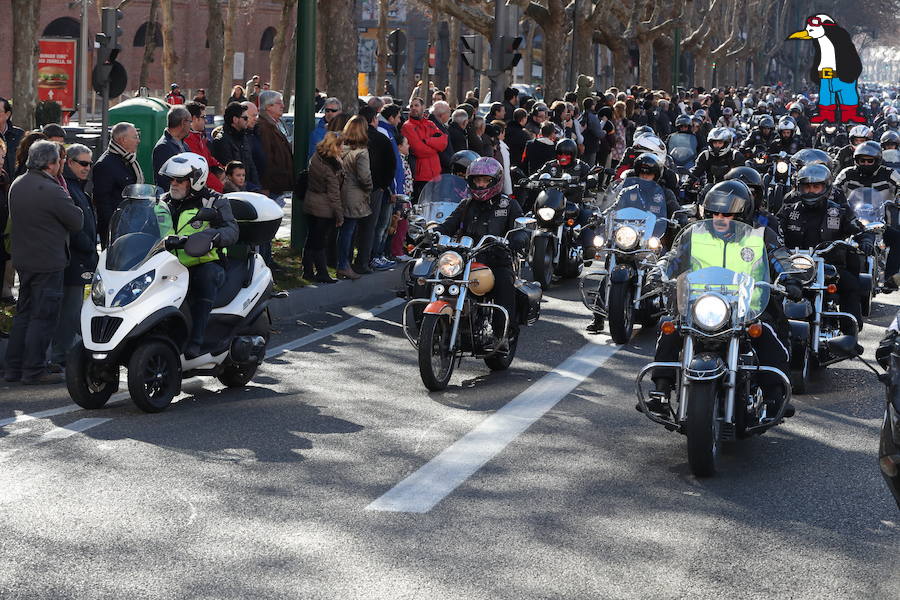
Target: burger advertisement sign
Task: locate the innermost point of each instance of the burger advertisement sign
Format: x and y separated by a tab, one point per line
56	71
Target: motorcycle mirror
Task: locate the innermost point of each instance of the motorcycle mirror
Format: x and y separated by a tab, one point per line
877	226
525	222
198	245
545	177
844	346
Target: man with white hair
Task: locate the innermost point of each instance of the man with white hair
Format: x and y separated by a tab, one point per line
42	216
278	178
457	130
440	116
116	169
331	108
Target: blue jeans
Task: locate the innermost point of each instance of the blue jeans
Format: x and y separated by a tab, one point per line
37	313
345	243
835	91
384	220
69	328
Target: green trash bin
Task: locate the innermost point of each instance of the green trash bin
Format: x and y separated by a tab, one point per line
148	115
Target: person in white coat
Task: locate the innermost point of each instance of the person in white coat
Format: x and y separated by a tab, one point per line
503	151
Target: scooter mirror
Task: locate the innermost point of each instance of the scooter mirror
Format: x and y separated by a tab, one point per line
206	214
198	245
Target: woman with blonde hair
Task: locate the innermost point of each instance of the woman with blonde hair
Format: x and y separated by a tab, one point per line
322	205
620	123
356	189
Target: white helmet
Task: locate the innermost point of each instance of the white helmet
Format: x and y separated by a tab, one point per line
650	143
187	164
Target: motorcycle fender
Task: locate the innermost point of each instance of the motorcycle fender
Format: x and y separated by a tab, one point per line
423	267
798	310
438	307
799	332
865	283
544	233
621	274
704	363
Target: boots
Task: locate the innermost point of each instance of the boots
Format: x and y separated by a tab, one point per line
850	113
824	114
321	263
308	271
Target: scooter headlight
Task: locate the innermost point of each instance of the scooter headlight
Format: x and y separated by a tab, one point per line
781	167
450	264
98	292
546	213
134	288
626	237
711	312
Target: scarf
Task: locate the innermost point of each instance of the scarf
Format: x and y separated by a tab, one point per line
128	157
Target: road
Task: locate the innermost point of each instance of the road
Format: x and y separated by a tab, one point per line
336	475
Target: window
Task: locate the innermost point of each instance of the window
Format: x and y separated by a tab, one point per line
268	39
140	36
65	27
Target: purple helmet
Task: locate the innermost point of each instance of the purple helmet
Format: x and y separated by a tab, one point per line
485	166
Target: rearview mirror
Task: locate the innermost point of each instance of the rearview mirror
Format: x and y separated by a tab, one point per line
525	222
206	214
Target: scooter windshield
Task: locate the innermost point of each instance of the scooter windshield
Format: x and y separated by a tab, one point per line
440	197
641	206
721	269
868	203
135	232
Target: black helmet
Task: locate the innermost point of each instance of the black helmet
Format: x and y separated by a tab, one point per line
810	156
461	160
814	174
752	179
566	151
890	137
871	150
766	122
730	198
648	163
682	121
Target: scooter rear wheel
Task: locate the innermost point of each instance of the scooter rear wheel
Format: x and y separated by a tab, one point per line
154	376
87	389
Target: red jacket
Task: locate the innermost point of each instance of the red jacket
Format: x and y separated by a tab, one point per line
425	143
196	143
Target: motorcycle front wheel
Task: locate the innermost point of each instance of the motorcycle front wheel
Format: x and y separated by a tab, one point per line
621	312
702	427
86	386
435	355
154	376
542	263
800	364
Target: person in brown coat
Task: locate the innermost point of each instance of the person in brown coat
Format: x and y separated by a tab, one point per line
278	177
356	189
322	205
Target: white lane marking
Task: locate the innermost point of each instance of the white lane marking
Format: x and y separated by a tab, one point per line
423	489
42	414
324	333
79	426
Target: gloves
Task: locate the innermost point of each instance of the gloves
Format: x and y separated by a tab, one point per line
654	278
793	290
867	247
175	242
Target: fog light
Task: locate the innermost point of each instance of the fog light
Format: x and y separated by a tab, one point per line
99	356
453	290
831	289
438	289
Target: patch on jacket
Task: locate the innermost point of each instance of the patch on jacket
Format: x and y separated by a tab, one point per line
834	212
794	216
501	213
504	202
747	254
833	223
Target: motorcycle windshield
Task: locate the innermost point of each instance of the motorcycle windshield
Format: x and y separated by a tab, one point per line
641	205
724	259
440	197
135	232
891	158
683	142
868	203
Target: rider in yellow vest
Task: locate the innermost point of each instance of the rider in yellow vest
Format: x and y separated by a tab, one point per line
201	218
721	246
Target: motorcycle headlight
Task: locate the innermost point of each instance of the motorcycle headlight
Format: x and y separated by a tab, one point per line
781	167
98	292
829	130
653	243
806	266
710	312
626	237
450	264
546	214
598	241
134	288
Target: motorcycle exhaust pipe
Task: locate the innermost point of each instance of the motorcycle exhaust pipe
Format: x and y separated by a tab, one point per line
247	348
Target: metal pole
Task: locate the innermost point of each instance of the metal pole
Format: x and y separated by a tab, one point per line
83	66
104	119
676	67
304	107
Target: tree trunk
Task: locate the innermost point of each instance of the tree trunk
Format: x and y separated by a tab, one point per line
339	19
663	48
528	55
584	48
701	69
280	51
215	34
645	66
290	76
381	56
228	52
170	59
555	52
25	53
453	75
621	64
149	44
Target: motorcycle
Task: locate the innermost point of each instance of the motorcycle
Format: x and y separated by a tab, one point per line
870	204
830	137
778	181
457	315
891	158
717	395
556	246
635	225
437	201
683	151
758	159
137	316
889	443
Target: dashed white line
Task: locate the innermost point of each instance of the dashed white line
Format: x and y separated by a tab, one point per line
79	426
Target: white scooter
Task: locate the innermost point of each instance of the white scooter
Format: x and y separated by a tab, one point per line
138	317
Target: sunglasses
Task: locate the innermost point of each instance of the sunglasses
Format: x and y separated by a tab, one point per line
865	161
331	110
817	22
83	163
245	117
180	179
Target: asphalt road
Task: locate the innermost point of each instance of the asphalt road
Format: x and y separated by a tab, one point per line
511	485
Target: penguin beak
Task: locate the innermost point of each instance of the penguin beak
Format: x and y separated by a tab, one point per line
800	35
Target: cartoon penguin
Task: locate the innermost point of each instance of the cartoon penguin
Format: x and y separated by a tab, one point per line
836	68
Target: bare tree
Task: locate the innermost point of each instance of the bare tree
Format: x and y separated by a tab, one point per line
149	43
453	72
215	31
381	54
338	18
279	51
228	51
170	58
25	53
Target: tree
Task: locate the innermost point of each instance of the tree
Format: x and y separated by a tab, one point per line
339	19
149	43
25	53
215	29
381	54
279	48
228	51
170	58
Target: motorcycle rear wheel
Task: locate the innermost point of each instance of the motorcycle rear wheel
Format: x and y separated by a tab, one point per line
239	375
435	356
502	360
703	427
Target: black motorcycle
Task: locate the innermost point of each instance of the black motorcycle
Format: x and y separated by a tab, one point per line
889	445
778	181
830	137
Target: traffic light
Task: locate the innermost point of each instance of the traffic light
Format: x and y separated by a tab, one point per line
469	55
509	58
109	23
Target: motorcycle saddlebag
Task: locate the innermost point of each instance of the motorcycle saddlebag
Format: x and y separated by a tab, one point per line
528	301
258	217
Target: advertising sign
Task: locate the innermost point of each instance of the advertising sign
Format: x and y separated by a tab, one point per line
57	60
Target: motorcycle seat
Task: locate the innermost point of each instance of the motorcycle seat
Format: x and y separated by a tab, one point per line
237	269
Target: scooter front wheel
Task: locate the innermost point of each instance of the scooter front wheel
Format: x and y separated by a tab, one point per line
154	376
86	385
